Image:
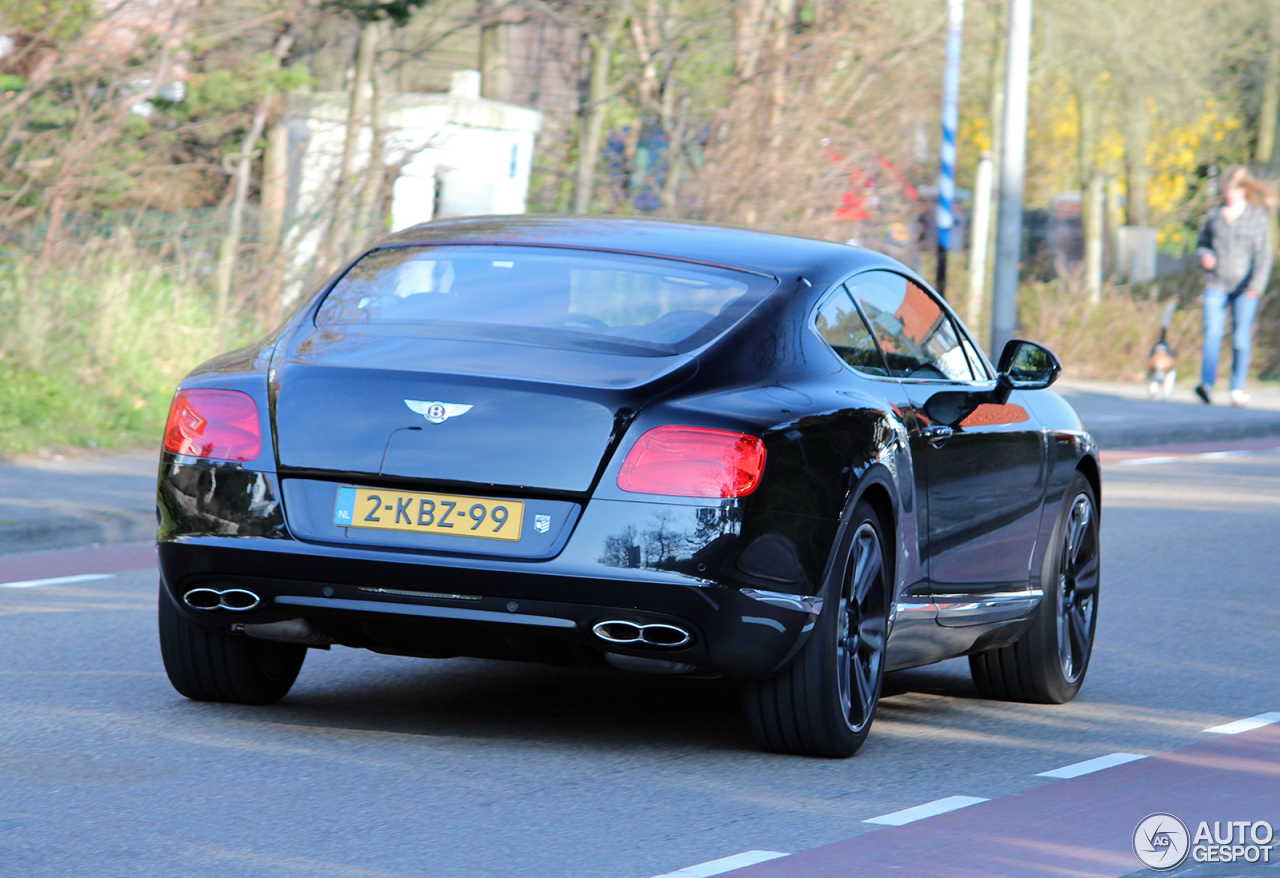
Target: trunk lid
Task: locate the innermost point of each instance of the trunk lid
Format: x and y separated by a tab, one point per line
460	412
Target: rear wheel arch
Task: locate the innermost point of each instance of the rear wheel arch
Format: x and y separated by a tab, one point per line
1088	467
823	701
1035	668
876	493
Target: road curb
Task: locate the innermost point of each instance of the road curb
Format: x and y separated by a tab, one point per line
64	532
1110	437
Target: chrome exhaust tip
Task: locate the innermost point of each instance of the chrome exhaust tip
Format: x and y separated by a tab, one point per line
648	633
237	600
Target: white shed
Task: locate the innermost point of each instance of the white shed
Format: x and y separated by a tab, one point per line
460	155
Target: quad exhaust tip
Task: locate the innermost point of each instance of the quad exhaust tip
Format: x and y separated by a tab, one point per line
237	600
648	633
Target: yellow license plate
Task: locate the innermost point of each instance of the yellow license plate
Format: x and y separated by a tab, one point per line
429	513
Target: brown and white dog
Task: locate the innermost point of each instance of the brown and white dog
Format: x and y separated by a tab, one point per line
1162	363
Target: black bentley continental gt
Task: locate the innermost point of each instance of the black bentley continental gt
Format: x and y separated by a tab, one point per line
668	447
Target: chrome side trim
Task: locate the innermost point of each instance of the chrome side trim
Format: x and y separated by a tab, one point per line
960	610
800	603
913	609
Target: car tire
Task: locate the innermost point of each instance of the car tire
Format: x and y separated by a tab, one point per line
210	666
823	703
1047	664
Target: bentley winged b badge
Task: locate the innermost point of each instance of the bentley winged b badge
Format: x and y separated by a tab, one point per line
437	412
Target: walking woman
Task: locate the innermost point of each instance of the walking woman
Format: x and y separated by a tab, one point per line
1235	252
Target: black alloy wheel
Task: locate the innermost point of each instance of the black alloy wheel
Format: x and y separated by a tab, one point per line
860	640
824	702
1047	664
1077	589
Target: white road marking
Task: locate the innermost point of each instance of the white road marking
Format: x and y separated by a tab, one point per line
1198	455
57	580
1091	765
724	864
929	809
1246	725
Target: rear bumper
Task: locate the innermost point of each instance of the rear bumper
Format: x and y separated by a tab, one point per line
734	577
396	602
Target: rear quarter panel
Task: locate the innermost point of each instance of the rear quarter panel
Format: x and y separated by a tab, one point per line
825	437
1069	448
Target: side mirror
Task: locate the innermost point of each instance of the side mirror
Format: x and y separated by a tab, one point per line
1025	365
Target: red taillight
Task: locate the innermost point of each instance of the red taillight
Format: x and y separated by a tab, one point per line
693	462
221	424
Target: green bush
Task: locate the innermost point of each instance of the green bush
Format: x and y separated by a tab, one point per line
92	346
1111	341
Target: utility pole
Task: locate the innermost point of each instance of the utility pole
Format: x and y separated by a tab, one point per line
1094	222
1267	118
1013	146
979	236
947	174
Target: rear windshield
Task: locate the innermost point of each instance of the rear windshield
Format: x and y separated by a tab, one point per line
541	295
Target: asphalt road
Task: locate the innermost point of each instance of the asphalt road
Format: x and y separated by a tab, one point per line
381	766
54	502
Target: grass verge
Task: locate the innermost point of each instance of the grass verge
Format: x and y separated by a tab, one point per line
92	345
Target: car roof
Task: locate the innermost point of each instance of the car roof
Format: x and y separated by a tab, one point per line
774	255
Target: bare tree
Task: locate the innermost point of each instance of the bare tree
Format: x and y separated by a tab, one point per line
230	248
340	227
818	110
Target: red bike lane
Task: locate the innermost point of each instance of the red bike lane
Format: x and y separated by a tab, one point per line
1078	827
57	563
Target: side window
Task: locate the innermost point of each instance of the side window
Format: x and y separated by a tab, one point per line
842	327
917	337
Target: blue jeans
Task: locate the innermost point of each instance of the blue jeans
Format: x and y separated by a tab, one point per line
1242	307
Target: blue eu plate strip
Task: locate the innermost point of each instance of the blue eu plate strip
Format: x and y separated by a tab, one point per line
345	508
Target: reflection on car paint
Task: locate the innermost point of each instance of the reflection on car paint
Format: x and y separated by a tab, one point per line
218	499
989	414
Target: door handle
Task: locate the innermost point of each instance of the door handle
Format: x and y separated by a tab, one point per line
937	434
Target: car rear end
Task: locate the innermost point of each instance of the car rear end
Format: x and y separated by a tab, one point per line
474	450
